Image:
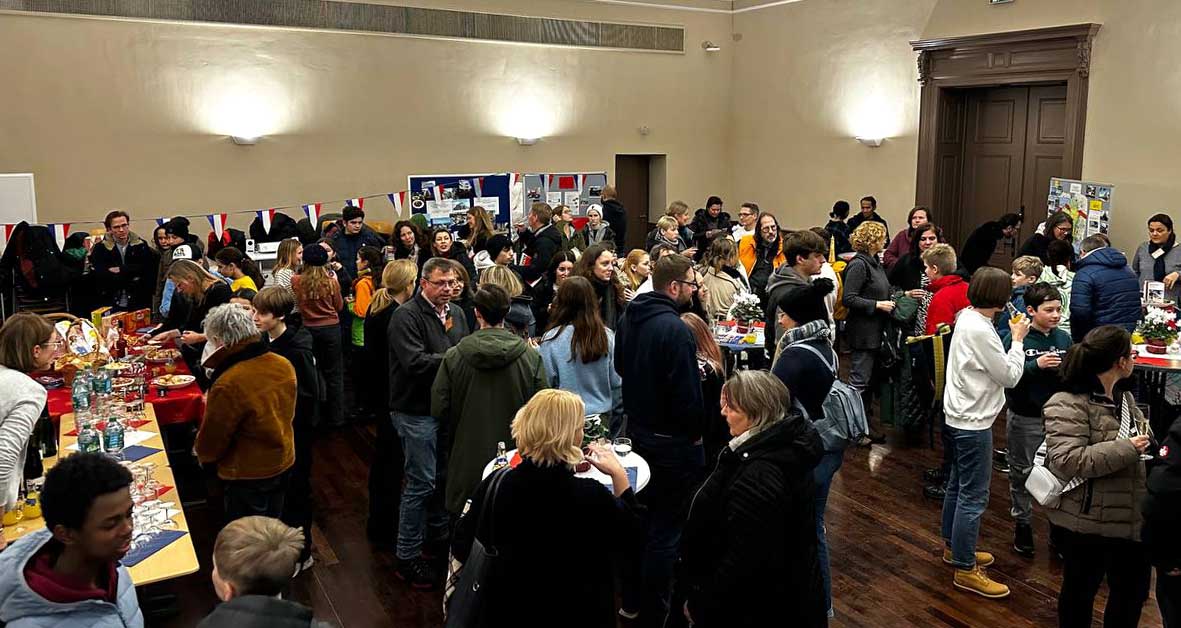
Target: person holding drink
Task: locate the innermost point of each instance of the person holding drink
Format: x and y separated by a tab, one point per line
979	369
1093	434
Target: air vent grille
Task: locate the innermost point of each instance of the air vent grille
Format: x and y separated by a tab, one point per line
375	18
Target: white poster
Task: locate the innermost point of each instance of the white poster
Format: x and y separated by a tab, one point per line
439	210
490	203
573	201
553	199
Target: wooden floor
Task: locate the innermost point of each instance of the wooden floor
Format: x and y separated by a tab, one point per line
883	535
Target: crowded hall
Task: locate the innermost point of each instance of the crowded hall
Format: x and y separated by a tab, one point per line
710	314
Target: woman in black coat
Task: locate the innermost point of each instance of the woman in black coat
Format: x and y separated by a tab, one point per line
442	244
398	281
867	297
1058	227
543	515
748	551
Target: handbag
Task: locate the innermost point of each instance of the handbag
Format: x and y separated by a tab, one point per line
467	605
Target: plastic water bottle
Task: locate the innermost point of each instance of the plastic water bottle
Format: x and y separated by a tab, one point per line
89	440
102	382
501	456
80	395
113	437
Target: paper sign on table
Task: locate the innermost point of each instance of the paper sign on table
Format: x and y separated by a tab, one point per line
133	437
163	539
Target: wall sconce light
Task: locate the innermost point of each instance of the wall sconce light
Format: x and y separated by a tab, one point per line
872	142
527	141
710	46
245	140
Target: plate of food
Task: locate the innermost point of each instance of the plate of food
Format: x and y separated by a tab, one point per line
117	366
50	382
161	354
173	381
122	382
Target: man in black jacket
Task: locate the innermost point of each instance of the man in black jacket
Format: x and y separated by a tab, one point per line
124	266
422	330
979	246
657	358
869	213
615	216
541	240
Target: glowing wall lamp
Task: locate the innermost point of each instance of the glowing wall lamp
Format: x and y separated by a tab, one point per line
244	140
527	141
872	142
710	46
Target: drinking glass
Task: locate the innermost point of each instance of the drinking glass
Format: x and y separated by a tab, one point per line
622	446
1142	426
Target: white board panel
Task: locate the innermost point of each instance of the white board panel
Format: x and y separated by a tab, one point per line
18	199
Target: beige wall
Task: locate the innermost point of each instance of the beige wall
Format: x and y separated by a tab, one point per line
136	114
808	78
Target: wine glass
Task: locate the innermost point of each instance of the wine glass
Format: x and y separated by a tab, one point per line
1142	426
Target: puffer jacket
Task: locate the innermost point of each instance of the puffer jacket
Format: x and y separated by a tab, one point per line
21	607
1082	440
1105	292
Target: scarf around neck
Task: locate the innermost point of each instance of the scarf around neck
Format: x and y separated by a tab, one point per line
808	331
1158	264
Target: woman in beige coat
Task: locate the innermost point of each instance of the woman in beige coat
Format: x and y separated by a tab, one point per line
1088	436
721	276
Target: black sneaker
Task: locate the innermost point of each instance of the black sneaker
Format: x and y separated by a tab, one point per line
933	476
934	491
419	574
1023	540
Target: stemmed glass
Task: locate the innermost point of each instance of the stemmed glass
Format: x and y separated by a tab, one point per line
1142	427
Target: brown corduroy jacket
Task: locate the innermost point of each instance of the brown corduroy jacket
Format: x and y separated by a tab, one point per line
1082	440
247	428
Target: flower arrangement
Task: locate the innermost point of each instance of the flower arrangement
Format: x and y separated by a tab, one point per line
593	429
1158	328
745	308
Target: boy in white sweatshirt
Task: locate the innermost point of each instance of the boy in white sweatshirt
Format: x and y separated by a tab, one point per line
978	371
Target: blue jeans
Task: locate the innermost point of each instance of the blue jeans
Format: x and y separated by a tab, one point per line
677	466
829	463
422	500
967	492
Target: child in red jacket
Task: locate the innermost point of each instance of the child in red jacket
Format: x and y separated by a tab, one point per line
950	290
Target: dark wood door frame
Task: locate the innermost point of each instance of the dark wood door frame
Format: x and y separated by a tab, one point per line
1061	54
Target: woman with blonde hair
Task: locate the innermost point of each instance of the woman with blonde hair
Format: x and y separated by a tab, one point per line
479	225
520	317
713	375
636	270
867	297
398	281
286	262
540	513
719	270
203	290
317	294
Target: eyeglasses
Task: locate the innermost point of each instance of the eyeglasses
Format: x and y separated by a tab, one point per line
768	228
444	283
692	284
745	214
53	343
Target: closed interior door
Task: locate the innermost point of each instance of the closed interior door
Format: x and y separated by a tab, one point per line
1013	143
631	185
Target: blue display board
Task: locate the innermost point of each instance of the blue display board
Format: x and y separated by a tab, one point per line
445	198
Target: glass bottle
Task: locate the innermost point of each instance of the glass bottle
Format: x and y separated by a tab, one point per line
501	456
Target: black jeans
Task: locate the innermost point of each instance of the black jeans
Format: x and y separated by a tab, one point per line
1088	559
1168	598
244	498
330	361
297	504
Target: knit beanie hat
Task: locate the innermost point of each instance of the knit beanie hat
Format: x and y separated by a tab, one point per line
178	227
315	255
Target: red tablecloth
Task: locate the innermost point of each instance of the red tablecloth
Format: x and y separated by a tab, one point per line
181	405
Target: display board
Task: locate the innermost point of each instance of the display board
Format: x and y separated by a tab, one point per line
1089	206
445	198
576	190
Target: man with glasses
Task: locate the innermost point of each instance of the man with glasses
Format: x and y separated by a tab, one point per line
746	221
124	266
420	332
656	356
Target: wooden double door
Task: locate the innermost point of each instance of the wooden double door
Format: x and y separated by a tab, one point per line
998	148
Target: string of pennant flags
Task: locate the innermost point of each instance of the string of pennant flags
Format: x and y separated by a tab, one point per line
400	202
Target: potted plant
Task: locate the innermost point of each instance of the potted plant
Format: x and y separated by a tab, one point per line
745	311
593	429
1158	329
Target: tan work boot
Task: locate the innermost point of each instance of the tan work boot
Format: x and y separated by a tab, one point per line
983	559
978	582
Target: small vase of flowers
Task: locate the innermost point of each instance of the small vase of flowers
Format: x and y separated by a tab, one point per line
1158	329
593	429
745	311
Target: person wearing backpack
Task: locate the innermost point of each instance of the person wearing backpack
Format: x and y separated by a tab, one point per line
807	366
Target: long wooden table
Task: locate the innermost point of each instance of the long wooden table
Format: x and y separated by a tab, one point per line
174	560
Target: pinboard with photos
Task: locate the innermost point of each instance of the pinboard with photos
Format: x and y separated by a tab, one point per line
1087	203
445	198
576	190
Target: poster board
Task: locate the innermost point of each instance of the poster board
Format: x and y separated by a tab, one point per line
18	199
1088	203
459	193
577	190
